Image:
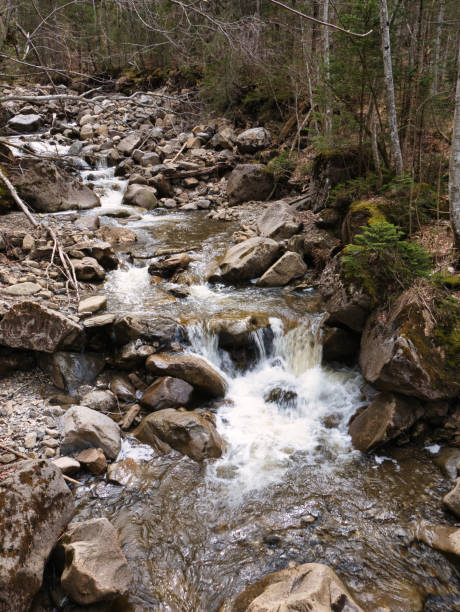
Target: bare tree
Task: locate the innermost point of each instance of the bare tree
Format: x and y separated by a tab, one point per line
454	174
328	121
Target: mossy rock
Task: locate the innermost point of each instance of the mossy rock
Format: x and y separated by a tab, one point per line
362	213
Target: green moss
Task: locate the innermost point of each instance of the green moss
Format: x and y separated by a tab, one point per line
373	209
449	281
447	330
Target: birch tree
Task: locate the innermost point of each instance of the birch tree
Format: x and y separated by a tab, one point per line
327	63
390	88
454	174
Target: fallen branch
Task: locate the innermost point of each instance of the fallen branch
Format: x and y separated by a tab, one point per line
18	200
179	174
66	263
22	456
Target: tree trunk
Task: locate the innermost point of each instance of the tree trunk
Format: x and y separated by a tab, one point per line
328	122
437	47
390	89
454	173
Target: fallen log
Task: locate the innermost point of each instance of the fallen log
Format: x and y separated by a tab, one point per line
203	171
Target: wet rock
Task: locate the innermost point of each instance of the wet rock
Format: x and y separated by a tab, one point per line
279	222
129	143
447	460
340	345
167	392
191	433
248	260
116	235
101	320
25	124
399	353
88	223
67	465
288	267
253	140
23	289
70	370
238	332
452	499
141	195
88	269
125	473
386	417
102	252
28	325
92	304
441	537
311	586
249	182
93	459
129	416
35	507
49	188
194	370
122	387
169	266
95	566
104	401
132	355
86	428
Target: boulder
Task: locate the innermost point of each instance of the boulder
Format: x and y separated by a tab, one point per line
104	401
122	387
191	433
167	392
279	222
310	587
191	368
400	353
452	499
253	140
70	370
93	459
86	428
102	252
248	259
160	330
116	235
170	265
288	267
441	537
249	182
224	139
384	419
132	355
92	304
141	195
95	566
48	188
35	507
127	145
29	325
237	331
25	124
88	269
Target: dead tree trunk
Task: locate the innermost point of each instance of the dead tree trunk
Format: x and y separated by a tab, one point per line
454	171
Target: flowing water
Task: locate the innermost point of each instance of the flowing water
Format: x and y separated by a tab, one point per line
289	487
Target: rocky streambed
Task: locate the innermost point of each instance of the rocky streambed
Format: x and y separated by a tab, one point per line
206	387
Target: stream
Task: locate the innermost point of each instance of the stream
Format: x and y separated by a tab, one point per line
289	488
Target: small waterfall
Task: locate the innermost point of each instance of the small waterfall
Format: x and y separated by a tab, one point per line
301	347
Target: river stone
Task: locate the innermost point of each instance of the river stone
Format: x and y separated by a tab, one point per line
310	587
167	392
92	304
25	123
102	252
253	140
23	289
191	433
126	472
452	499
116	235
442	537
386	417
88	222
161	330
248	259
70	370
122	387
129	143
288	267
167	267
48	188
86	428
104	401
67	465
95	566
399	352
279	222
141	195
194	370
88	269
31	326
35	507
238	332
93	459
249	182
99	320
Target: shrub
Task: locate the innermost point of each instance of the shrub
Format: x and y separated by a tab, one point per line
382	262
282	166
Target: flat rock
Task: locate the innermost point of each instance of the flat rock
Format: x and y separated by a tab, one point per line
92	304
288	267
248	259
442	537
67	465
86	428
23	289
99	320
25	123
279	222
93	459
127	145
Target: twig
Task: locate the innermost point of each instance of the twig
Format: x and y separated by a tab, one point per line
180	152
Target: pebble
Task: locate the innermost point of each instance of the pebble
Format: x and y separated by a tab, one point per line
50	443
30	440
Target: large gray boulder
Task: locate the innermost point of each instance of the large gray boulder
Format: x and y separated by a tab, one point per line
95	566
167	392
35	507
253	140
191	368
141	195
49	188
191	433
279	222
288	267
248	259
25	123
85	428
386	417
249	182
29	325
311	587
